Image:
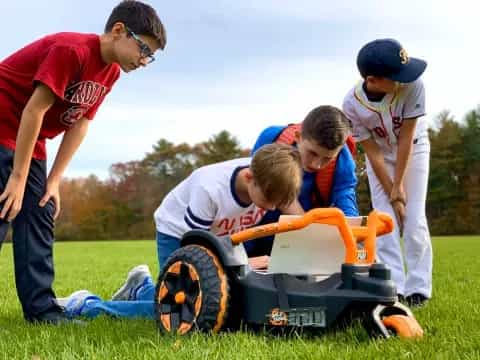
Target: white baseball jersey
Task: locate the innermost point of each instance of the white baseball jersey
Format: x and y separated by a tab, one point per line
207	200
383	119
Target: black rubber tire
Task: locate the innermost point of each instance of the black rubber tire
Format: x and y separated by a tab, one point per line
206	288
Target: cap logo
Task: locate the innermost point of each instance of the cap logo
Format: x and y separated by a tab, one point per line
403	56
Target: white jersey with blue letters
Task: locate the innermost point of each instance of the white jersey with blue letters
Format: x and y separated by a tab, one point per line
381	121
207	200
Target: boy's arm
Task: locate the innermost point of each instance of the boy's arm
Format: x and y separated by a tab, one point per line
413	109
343	194
30	123
347	202
259	262
404	151
375	156
69	145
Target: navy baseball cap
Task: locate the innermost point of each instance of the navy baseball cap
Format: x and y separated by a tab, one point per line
387	58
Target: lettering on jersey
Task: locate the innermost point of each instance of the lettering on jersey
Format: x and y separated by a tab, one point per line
83	94
403	56
380	131
230	226
397	124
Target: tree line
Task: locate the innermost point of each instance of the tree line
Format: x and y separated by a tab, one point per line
122	206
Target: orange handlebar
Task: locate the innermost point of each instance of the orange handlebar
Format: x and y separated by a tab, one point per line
314	215
377	224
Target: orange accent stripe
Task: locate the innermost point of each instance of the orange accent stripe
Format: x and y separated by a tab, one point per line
175	268
184	328
198	303
223	290
404	326
162	293
165	319
287	136
352	146
193	273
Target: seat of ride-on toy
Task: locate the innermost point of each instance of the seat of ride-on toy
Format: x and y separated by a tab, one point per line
317	250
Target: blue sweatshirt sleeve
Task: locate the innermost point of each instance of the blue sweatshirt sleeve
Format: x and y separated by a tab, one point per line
267	136
343	191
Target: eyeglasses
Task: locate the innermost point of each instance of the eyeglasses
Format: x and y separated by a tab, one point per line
145	51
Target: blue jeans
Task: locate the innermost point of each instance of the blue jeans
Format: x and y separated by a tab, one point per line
33	238
142	306
166	245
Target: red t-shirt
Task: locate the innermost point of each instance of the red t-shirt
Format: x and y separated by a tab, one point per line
70	64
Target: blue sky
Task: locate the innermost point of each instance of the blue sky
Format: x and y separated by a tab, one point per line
243	65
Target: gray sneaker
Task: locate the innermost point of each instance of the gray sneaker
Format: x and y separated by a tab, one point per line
135	279
75	303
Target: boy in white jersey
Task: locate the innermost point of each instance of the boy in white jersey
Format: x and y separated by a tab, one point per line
228	197
223	198
384	109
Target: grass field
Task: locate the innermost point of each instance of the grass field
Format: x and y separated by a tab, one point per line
450	320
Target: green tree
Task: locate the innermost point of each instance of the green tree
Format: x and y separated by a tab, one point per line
220	147
445	190
469	208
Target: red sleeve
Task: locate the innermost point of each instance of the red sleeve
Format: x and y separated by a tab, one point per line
60	67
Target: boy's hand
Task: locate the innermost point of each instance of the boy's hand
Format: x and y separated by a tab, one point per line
400	211
398	194
398	199
259	262
52	192
12	197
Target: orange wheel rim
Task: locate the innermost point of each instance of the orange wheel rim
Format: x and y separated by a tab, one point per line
179	298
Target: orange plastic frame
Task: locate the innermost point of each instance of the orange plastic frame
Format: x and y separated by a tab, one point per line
378	224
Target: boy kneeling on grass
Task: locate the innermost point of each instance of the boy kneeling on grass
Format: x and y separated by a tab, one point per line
223	198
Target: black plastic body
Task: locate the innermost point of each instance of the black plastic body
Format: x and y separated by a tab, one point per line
357	290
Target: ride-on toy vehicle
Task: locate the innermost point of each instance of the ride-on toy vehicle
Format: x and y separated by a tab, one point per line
208	285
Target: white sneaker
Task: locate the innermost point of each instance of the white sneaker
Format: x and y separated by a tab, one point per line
134	280
74	303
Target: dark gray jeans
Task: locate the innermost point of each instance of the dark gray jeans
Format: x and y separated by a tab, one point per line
32	240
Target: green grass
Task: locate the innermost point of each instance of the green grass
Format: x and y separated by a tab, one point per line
450	320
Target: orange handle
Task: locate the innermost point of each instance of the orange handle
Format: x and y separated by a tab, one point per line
377	224
314	215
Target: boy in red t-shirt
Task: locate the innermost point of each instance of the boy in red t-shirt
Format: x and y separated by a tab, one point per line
52	86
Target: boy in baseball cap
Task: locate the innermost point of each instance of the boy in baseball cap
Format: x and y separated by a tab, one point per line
385	110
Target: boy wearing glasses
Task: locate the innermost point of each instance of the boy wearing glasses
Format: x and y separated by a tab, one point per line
55	85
